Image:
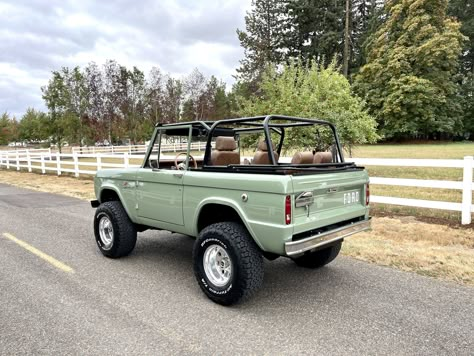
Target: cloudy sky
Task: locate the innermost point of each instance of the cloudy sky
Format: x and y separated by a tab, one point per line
38	36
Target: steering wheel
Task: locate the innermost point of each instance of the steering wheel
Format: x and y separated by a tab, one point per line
181	165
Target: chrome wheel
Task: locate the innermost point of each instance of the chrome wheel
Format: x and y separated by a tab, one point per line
106	232
217	265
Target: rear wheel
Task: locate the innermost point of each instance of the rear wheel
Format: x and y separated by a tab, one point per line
227	263
319	258
115	234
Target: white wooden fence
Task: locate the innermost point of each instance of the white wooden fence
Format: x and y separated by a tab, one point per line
467	185
139	149
88	163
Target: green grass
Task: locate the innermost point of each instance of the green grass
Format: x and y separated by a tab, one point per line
416	173
432	150
449	195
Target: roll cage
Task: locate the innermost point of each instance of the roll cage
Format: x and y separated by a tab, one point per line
269	124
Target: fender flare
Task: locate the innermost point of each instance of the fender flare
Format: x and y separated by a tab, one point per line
227	202
119	194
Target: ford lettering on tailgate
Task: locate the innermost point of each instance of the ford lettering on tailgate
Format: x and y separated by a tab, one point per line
351	197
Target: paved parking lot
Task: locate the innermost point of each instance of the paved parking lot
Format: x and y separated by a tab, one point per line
59	295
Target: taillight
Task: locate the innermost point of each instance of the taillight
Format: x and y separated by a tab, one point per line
367	194
288	210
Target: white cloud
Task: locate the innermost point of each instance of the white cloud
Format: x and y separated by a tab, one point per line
38	36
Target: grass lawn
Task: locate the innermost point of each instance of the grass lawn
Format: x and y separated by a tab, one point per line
431	150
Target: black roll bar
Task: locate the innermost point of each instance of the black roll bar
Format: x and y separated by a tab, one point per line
267	125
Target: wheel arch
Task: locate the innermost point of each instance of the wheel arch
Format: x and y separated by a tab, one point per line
111	193
212	211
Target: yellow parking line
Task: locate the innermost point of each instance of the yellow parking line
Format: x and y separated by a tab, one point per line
40	254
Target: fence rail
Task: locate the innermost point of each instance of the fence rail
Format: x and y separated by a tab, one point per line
138	149
89	162
467	186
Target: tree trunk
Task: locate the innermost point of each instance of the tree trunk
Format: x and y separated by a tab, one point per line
345	66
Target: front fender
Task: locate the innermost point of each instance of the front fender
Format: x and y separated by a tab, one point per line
127	198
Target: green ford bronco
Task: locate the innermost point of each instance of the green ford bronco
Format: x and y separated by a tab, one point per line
228	184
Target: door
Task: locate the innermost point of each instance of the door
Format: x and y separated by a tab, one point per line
160	195
160	180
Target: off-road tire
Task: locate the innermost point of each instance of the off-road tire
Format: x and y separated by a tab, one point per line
247	262
124	231
319	258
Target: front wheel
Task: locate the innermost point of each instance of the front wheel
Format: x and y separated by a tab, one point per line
115	233
319	258
227	263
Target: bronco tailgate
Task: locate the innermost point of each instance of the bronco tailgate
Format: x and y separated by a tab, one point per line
321	200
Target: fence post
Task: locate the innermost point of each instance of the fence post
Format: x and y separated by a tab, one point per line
28	160
112	149
126	160
17	161
8	160
58	163
467	190
99	162
49	151
43	170
76	165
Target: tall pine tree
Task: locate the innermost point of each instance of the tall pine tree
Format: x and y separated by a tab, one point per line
366	18
263	39
329	29
318	29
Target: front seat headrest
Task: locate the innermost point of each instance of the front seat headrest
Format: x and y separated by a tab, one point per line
224	143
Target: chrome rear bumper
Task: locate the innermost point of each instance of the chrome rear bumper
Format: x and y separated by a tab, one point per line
313	242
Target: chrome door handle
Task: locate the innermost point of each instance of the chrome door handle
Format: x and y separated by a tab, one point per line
178	175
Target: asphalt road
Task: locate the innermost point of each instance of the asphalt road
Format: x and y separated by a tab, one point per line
149	302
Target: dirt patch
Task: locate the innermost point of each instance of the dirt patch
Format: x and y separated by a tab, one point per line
70	186
430	248
411	245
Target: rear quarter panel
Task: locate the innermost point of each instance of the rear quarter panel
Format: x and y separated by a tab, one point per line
262	213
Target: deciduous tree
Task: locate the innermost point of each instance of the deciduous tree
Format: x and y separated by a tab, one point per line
408	79
55	97
33	126
8	129
313	91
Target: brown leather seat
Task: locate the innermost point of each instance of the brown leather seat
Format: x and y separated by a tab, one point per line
322	157
302	158
261	156
224	153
